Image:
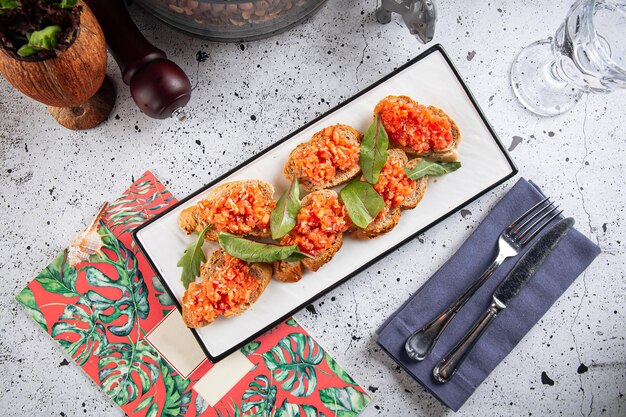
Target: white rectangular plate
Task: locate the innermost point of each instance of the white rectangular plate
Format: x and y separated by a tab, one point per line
429	79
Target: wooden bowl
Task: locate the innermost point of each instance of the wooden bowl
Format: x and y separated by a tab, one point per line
71	78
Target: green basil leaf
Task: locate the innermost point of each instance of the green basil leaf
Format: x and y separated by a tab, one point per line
373	154
67	4
284	216
192	259
297	256
431	168
45	38
251	251
362	202
27	50
8	4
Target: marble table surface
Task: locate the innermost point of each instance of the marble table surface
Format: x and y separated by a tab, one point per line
247	96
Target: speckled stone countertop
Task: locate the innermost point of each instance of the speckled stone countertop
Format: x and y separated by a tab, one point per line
249	95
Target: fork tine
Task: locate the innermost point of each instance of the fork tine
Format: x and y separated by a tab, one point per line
536	214
529	238
539	220
530	210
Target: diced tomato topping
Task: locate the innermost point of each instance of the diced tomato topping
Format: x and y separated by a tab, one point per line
393	184
413	125
318	225
242	210
221	293
328	152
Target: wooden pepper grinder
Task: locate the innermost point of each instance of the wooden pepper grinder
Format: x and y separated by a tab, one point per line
159	87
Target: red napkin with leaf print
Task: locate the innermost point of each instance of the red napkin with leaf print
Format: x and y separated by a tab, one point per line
101	310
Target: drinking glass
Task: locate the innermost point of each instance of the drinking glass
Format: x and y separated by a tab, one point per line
586	55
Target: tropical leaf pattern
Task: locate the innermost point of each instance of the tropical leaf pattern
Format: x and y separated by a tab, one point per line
344	402
80	334
27	299
145	403
250	348
132	302
59	277
338	370
259	399
128	370
201	405
177	392
153	410
100	314
163	297
296	410
293	361
236	412
138	204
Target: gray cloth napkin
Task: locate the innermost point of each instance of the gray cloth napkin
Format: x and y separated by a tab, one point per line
568	260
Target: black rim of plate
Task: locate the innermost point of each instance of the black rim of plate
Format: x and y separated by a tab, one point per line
434	48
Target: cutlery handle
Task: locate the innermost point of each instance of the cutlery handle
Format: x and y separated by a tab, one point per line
450	363
421	343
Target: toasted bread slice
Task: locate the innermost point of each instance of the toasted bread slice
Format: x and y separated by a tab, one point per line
290	170
451	153
392	217
313	264
292	271
413	199
262	272
448	154
190	221
379	226
287	271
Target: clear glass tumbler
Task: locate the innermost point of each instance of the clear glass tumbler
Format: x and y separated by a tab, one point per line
586	55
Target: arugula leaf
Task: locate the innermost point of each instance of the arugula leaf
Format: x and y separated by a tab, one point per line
283	217
373	154
44	39
8	4
192	259
362	202
431	168
251	251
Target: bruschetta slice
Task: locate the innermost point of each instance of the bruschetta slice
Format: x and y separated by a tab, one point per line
330	158
397	190
229	286
239	207
419	130
319	229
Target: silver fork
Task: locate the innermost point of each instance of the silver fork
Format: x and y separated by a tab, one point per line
510	242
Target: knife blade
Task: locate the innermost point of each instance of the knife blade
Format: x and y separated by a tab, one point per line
515	280
528	264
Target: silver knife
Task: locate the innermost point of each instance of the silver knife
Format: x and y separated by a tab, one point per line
521	273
